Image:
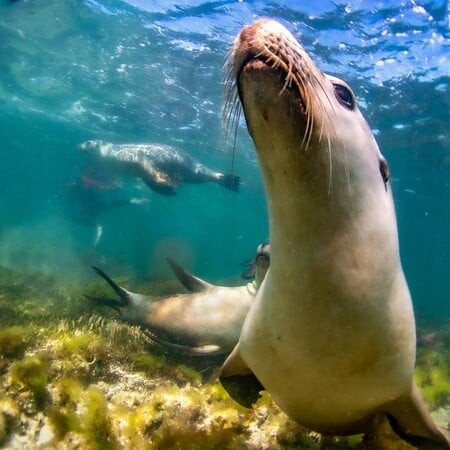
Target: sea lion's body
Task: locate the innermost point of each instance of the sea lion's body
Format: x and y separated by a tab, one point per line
208	320
162	167
331	332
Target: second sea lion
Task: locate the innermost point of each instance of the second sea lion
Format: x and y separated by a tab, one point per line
162	168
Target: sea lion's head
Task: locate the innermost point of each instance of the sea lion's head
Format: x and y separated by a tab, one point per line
303	122
95	147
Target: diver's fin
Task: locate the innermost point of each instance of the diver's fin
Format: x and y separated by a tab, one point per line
111	302
239	381
411	420
190	282
120	291
201	350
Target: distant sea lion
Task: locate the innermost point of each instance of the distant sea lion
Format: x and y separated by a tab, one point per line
206	321
331	332
161	167
84	203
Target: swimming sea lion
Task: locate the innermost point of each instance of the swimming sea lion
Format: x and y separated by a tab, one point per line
331	332
161	167
206	321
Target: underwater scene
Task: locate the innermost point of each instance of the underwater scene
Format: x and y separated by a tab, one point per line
135	210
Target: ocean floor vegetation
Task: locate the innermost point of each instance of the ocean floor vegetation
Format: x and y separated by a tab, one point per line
73	376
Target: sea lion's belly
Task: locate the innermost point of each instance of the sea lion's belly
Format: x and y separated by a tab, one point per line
213	316
328	365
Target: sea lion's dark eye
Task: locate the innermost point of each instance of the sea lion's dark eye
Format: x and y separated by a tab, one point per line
344	96
384	170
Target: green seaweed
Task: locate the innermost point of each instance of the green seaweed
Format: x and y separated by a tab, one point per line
68	391
62	415
3	427
435	384
189	373
62	422
32	373
95	420
148	363
13	341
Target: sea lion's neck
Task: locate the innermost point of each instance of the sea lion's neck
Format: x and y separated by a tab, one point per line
313	226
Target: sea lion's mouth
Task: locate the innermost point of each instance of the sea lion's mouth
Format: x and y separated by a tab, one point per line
260	63
265	48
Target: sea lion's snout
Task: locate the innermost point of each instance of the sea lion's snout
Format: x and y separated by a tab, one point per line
87	146
272	74
268	45
90	145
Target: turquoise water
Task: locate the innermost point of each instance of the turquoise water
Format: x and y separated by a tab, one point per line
151	71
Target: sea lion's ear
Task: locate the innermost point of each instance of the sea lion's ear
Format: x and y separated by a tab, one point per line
239	381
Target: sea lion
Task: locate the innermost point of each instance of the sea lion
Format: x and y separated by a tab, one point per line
161	167
331	332
84	204
206	321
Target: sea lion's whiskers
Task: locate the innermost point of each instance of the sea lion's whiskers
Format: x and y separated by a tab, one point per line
309	127
330	164
307	133
289	77
236	117
231	112
231	107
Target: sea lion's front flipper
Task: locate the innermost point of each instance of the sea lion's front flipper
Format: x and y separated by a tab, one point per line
239	381
201	350
411	420
160	187
158	180
190	282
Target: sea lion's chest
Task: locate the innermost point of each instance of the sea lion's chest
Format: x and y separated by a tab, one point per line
321	355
